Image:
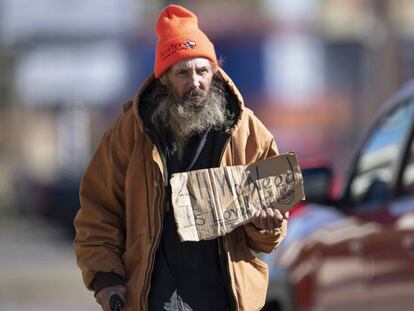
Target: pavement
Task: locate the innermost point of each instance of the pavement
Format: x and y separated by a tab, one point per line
38	270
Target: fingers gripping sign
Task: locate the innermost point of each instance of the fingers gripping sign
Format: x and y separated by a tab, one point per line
269	219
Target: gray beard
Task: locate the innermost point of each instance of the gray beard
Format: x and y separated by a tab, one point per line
191	114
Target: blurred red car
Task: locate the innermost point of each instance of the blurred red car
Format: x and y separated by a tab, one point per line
355	252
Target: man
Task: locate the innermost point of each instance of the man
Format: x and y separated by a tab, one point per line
188	115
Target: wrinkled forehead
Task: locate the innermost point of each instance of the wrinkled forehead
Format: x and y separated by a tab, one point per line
190	63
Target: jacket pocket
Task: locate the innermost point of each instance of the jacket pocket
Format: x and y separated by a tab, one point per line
135	265
251	277
249	273
133	255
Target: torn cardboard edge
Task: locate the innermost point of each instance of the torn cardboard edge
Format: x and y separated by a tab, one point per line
211	202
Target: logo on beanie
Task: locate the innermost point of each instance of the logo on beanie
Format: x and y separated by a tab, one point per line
174	47
189	44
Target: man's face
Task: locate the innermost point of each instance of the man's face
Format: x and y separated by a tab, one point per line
189	80
190	100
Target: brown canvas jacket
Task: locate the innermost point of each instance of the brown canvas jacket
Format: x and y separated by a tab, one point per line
119	224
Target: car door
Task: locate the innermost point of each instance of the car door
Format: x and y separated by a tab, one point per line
349	251
373	197
393	247
343	266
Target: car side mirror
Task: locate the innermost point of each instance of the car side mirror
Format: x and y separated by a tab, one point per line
317	184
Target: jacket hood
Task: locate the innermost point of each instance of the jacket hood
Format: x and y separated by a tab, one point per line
144	106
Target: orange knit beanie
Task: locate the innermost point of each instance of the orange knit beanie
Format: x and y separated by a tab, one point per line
179	38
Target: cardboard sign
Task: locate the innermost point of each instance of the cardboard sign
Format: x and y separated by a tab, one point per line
211	202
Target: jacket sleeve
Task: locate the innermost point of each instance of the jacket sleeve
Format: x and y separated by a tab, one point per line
99	240
265	240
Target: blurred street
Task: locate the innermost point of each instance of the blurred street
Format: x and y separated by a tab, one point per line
314	72
38	271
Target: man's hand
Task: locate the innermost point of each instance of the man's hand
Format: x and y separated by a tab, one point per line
103	296
269	219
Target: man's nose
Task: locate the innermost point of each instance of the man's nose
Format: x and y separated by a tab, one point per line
195	80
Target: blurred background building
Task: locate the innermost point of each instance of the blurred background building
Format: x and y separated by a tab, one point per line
314	71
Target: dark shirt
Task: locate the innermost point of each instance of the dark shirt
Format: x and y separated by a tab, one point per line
189	275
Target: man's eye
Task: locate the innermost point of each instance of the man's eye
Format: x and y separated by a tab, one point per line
204	70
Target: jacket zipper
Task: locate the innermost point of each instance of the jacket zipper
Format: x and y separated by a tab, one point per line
147	187
159	217
150	267
234	302
224	149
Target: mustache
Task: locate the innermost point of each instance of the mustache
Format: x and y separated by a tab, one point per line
194	94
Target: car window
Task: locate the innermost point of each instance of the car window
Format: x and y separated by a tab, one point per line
407	180
377	161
